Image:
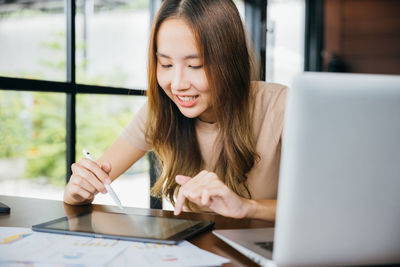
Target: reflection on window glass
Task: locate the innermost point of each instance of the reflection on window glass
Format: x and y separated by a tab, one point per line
100	120
111	42
32	39
285	40
32	146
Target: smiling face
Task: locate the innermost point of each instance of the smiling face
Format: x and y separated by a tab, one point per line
180	71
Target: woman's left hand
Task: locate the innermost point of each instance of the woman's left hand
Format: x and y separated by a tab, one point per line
206	189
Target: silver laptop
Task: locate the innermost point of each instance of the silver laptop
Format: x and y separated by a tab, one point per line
339	188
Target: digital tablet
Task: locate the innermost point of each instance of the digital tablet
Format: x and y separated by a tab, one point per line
144	228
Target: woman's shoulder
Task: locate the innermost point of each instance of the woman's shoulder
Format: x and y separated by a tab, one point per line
262	87
265	93
135	132
268	108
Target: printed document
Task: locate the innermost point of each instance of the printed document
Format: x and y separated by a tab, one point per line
19	246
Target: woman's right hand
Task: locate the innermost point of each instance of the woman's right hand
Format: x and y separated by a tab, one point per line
87	179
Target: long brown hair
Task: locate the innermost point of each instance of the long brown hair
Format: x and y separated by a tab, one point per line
222	44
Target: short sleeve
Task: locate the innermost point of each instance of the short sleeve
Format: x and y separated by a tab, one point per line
135	132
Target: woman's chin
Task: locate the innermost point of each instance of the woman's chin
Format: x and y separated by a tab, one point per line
189	112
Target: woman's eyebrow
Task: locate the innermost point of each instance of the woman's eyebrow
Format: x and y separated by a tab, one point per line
192	56
162	55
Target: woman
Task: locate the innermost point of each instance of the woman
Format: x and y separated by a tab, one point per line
216	134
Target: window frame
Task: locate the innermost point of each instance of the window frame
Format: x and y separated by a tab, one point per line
69	87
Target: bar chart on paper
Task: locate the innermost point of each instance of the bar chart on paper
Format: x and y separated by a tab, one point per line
163	255
96	242
21	245
9	239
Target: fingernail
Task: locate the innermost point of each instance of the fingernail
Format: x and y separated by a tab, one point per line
104	191
107	181
175	212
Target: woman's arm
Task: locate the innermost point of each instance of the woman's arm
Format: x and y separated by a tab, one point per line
88	177
207	190
264	209
121	155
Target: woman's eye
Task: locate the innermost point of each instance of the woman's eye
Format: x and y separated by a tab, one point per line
166	66
196	67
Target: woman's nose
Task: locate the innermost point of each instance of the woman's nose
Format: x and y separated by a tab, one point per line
179	81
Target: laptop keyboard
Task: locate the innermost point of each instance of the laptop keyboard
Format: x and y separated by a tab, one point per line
265	245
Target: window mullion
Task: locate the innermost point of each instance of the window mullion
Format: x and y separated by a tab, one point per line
256	23
71	96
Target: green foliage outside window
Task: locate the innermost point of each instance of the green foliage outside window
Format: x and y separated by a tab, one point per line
45	152
36	131
12	128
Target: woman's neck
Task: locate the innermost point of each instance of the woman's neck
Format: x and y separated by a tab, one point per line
206	121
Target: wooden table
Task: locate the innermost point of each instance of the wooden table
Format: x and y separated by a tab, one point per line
26	212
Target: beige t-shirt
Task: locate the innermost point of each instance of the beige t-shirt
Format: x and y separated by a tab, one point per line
269	106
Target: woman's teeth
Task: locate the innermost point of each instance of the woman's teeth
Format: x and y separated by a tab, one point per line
187	98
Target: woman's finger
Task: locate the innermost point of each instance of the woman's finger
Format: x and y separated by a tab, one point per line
193	189
196	184
182	179
106	166
205	198
80	181
199	183
180	200
80	194
90	178
96	169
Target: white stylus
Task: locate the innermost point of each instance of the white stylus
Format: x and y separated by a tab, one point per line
108	187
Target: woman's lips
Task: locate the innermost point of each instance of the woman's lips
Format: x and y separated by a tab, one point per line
187	101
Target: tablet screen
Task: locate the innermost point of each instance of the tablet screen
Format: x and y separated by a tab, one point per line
124	226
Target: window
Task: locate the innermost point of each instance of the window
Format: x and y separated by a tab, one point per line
32	149
111	43
41	105
32	35
285	40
